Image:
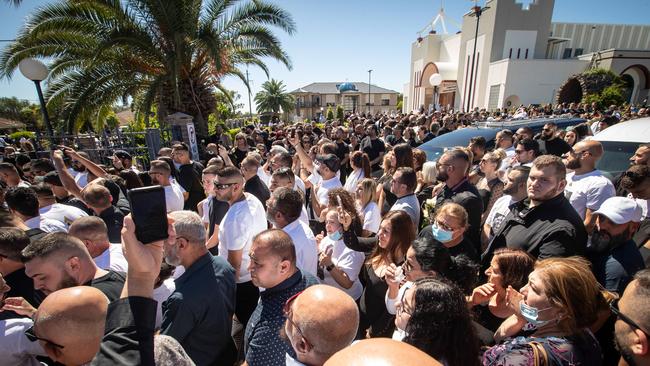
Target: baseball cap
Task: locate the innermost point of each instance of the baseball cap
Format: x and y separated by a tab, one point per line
331	161
121	154
621	210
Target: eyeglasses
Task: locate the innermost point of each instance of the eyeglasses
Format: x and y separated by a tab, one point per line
613	306
444	226
407	267
29	333
223	186
519	151
288	313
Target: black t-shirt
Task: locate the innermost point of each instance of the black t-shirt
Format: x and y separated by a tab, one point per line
110	284
557	146
373	148
21	286
237	156
342	149
114	220
257	188
464	247
189	177
218	210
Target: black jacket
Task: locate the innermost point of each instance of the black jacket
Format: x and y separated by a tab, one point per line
551	229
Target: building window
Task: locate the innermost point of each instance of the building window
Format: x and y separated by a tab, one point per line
330	104
518	53
510	55
567	53
385	102
579	51
526	57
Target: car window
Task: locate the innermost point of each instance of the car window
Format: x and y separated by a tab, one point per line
616	157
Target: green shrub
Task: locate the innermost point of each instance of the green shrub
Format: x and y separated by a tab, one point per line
18	134
233	131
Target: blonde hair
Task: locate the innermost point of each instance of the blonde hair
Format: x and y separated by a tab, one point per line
495	156
454	210
369	194
429	172
570	285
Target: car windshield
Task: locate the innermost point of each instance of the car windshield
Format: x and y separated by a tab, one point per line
616	158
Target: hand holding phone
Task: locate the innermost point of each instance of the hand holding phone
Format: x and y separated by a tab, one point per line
149	213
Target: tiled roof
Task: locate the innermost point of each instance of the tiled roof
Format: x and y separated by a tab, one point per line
331	88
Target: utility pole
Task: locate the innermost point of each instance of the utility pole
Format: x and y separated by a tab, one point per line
476	11
250	106
369	73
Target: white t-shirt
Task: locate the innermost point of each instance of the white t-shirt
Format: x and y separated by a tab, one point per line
81	178
266	178
325	187
47	225
411	206
353	180
299	185
161	294
15	348
347	260
498	213
643	203
588	191
242	222
113	259
507	161
174	198
371	217
305	244
60	212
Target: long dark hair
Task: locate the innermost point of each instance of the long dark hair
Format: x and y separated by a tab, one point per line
440	323
432	255
361	160
401	236
403	156
347	201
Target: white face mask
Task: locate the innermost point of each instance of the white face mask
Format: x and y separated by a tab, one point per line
290	361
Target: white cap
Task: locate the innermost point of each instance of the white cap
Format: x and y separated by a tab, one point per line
621	210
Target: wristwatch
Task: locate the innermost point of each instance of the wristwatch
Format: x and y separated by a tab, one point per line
330	267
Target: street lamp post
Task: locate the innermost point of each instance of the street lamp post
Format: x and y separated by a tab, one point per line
36	71
369	72
476	11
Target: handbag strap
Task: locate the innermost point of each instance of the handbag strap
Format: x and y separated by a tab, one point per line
540	357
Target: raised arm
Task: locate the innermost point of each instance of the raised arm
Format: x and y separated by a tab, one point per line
66	179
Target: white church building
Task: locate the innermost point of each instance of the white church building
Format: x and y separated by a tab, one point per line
513	54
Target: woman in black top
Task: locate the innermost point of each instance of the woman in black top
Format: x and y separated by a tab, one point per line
388	247
509	267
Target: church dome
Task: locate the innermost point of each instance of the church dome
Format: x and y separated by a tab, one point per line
347	87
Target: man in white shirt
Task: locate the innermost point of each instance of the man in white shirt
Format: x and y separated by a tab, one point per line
284	208
49	209
403	187
23	203
514	190
327	167
245	219
93	233
587	188
9	174
160	172
284	177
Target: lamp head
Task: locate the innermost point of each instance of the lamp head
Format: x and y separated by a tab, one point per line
33	69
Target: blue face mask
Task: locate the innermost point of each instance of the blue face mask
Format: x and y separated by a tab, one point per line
440	234
531	314
336	236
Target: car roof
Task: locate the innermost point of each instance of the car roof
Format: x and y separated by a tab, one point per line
637	131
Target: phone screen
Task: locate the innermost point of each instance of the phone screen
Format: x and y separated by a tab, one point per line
149	212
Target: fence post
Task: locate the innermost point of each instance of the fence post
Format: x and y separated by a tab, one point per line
154	143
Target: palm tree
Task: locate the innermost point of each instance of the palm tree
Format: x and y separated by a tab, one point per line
169	53
273	97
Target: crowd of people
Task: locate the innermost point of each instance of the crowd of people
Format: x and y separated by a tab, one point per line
333	244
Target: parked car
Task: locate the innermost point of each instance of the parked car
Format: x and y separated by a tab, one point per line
620	142
488	130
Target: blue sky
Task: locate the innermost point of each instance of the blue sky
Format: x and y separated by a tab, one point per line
339	40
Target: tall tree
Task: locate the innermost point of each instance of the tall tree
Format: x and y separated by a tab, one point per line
274	97
169	53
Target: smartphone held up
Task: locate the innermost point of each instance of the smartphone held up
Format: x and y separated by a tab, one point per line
149	213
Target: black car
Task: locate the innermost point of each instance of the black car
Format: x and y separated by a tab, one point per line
488	130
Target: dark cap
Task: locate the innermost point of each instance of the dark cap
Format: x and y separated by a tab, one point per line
331	161
121	154
52	178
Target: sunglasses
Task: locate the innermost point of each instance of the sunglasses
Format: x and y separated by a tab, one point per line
29	333
223	186
288	313
613	306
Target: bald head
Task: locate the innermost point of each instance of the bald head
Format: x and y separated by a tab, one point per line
381	351
328	317
594	147
73	318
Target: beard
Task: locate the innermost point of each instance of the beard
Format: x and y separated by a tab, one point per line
602	242
573	164
270	215
442	176
78	168
546	137
67	281
172	258
624	351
